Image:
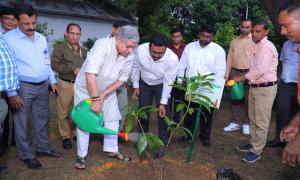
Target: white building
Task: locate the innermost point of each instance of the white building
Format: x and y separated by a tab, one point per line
95	19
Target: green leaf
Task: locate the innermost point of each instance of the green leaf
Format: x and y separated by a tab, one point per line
187	131
141	144
194	86
179	87
143	115
154	141
180	107
191	111
131	118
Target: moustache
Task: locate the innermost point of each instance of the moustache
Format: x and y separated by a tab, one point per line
29	30
203	42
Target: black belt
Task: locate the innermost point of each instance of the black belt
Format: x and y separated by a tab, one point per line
70	81
291	84
34	83
267	84
241	70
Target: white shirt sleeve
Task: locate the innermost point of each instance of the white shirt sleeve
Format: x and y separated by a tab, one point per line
171	71
96	57
136	70
183	64
220	64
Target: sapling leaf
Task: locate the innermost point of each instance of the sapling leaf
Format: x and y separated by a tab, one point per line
180	107
191	110
142	144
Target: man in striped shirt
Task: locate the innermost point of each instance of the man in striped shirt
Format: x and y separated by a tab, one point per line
9	82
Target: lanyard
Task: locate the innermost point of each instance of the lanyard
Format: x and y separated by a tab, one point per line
80	54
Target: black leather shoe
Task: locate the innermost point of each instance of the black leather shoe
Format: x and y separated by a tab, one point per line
66	143
206	143
51	154
3	169
33	163
3	150
184	138
275	143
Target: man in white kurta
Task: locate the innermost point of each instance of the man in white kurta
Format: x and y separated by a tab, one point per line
106	68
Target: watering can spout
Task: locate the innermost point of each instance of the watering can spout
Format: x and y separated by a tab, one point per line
89	121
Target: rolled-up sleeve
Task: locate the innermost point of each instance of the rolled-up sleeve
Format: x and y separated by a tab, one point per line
170	76
95	58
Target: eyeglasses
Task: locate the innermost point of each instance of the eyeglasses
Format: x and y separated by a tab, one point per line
74	34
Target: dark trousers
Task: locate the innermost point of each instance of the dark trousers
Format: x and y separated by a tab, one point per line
147	94
205	122
287	105
5	134
177	96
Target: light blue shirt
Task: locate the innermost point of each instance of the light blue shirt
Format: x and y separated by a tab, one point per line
1	31
32	56
289	58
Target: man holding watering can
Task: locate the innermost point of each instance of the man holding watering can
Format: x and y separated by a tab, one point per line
106	68
262	77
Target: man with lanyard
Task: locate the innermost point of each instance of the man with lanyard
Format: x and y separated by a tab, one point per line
35	75
8	82
154	70
177	46
8	22
66	60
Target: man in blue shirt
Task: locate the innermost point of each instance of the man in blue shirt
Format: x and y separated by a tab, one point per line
8	22
287	92
8	82
35	74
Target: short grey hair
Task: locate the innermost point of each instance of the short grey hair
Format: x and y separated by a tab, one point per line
128	32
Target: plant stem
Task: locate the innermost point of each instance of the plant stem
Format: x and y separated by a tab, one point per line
171	135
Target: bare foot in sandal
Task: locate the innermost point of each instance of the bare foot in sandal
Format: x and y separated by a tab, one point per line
119	156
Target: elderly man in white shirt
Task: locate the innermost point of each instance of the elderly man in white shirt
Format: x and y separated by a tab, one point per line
205	57
106	68
154	70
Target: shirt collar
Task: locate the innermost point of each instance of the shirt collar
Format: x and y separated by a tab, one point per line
248	36
181	45
20	34
209	45
263	40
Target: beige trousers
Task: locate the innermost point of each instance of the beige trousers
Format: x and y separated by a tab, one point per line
260	107
64	102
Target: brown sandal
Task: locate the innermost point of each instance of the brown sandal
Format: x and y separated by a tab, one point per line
119	156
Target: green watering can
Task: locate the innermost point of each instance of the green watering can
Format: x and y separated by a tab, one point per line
237	90
89	121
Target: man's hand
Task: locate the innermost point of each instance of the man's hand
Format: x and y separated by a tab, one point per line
54	89
162	111
289	133
291	152
238	78
135	94
76	71
16	102
97	104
